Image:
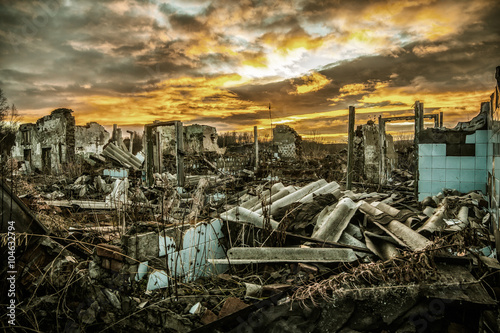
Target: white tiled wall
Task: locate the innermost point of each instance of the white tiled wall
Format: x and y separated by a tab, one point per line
464	173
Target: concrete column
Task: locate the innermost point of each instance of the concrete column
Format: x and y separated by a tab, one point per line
350	147
256	143
179	144
416	141
440	119
382	173
148	148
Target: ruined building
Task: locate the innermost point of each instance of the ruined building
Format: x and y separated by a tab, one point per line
161	140
287	141
197	138
90	139
55	140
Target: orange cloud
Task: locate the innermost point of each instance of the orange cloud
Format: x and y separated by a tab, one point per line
312	82
182	99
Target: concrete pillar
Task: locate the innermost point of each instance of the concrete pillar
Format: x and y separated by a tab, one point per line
148	148
256	143
350	147
416	142
382	173
179	145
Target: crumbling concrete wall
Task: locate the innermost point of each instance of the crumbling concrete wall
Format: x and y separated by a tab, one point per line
197	139
287	141
371	152
48	143
368	152
90	139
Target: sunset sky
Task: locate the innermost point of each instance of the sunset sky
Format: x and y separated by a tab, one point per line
221	63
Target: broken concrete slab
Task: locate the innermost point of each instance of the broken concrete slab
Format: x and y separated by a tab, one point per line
334	224
293	197
268	255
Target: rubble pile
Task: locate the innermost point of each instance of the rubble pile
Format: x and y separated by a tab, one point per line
194	238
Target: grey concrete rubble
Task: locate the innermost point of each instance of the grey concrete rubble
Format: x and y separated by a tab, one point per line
189	236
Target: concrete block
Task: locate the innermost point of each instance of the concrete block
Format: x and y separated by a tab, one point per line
438	174
142	246
482	136
471	138
468	162
452	174
453	162
481	149
480	163
439	149
425	150
438	162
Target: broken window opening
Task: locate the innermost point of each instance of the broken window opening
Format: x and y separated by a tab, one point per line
26	137
46	160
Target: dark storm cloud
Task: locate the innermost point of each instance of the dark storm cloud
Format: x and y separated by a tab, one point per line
62	52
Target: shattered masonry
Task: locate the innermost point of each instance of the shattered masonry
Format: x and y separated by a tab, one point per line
287	141
55	140
127	246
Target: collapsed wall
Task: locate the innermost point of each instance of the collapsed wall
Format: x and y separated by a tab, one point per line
368	149
90	139
287	141
197	139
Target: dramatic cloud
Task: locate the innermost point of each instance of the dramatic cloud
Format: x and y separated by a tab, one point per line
223	62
